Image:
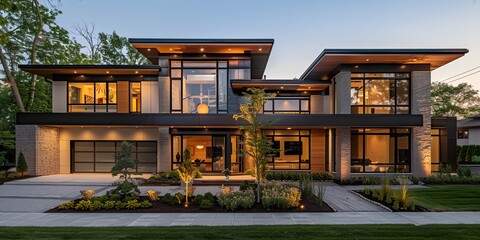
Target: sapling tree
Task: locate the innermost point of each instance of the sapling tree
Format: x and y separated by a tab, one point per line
258	146
21	164
187	172
123	164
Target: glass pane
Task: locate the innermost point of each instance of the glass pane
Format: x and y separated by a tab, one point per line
222	64
389	75
402	75
357	75
177	153
357	109
176	73
112	93
199	64
135	97
146	168
305	152
283	105
84	146
176	95
379	110
305	132
268	132
435	131
435	149
403	110
103	167
81	93
200	87
100	108
305	106
105	146
104	157
222	89
379	92
84	157
176	64
240	74
377	130
146	146
147	157
377	153
84	167
218	153
244	63
403	92
268	106
112	108
356	92
286	132
234	63
101	93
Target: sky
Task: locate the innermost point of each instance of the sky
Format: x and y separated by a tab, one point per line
301	28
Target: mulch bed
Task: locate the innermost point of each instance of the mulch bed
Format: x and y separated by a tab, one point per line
160	207
390	205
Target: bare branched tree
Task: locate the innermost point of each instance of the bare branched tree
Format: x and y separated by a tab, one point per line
87	32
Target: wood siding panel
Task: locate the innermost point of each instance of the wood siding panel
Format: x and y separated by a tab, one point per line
317	150
122	97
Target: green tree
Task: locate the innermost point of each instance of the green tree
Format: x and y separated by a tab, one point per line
123	163
187	172
115	49
7	145
258	146
21	164
459	101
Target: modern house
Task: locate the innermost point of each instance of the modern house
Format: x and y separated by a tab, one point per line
353	112
468	131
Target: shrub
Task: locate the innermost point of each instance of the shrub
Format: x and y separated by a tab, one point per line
109	205
374	194
198	199
97	205
234	200
320	193
67	205
84	205
280	196
115	197
295	176
464	172
126	189
123	163
386	185
205	204
306	185
367	191
22	166
146	204
396	206
119	205
180	198
476	159
388	199
103	198
132	204
87	194
169	198
153	195
245	186
209	197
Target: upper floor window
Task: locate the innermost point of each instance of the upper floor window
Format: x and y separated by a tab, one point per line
462	134
291	105
92	97
240	69
380	93
135	97
195	83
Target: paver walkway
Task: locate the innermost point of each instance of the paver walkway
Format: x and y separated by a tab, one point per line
342	200
233	219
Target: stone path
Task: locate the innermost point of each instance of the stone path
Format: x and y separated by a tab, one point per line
234	219
341	199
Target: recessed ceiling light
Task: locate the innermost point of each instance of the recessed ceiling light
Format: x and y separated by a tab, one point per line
356	66
82	76
367	59
309	87
202	49
281	87
148	49
136	71
229	49
107	71
289	128
260	49
414	59
75	72
171	49
403	66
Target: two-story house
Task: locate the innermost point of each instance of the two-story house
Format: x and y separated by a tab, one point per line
353	112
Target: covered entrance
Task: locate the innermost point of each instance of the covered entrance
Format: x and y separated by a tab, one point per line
211	151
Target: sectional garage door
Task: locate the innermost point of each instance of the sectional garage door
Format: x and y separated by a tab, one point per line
99	156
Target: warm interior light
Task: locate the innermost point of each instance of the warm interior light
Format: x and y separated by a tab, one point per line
202	108
289	128
200	147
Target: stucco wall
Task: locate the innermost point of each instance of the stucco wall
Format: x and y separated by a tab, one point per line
59	96
150	98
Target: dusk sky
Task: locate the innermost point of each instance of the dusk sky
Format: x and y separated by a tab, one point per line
301	29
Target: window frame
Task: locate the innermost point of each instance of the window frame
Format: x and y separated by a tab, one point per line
299	99
94	104
271	138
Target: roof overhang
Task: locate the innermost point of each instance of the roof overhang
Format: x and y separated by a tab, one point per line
330	59
280	85
257	49
49	70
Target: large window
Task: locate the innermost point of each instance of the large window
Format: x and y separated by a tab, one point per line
92	97
198	82
380	93
291	105
135	97
99	156
293	149
380	150
435	149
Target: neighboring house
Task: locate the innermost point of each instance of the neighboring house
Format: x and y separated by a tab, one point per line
468	131
354	112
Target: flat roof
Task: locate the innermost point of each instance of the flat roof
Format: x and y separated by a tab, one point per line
329	59
280	84
257	49
49	70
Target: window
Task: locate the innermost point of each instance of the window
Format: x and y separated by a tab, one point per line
99	156
435	149
92	97
135	97
380	93
240	69
287	106
293	149
198	82
462	134
380	150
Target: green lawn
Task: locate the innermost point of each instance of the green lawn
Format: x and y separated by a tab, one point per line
249	232
448	197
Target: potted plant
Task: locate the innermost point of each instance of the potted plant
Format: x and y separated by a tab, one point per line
227	173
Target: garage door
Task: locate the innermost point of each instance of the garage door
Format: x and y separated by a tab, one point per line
99	156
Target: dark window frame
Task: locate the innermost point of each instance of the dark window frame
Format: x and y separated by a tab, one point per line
94	104
300	111
117	143
392	133
397	77
463	134
130	96
300	136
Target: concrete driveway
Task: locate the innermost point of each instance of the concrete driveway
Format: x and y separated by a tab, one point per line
40	194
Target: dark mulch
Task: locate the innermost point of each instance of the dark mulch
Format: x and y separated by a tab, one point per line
390	205
161	207
4	180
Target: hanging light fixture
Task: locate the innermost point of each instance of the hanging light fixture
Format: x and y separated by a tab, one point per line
202	108
200	147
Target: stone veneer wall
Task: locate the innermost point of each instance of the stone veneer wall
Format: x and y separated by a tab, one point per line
421	136
40	146
164	150
343	139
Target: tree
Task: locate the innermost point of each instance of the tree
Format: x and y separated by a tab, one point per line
21	164
459	101
187	172
258	146
115	49
124	162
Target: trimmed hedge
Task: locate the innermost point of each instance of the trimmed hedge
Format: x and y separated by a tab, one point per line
296	176
468	154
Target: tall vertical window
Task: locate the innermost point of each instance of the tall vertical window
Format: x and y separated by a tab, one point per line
380	93
135	97
435	149
380	150
92	97
199	82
